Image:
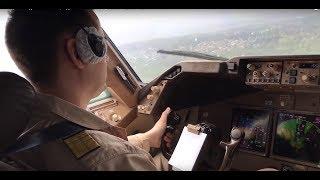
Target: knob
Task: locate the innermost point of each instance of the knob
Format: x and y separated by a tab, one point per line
266	74
236	134
155	89
163	83
141	107
308	78
275	67
148	107
256	73
115	117
251	67
305	78
150	97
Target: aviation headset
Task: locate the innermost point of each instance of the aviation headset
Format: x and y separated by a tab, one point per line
91	46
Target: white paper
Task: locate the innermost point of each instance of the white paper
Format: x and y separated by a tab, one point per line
187	150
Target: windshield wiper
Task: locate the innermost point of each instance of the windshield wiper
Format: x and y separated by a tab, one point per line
193	54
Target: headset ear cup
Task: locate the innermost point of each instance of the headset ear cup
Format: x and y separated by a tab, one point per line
82	47
96	45
85	50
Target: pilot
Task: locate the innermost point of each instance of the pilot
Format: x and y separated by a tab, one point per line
45	47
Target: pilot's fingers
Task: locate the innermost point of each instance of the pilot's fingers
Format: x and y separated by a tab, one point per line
165	114
167	139
168	145
169	135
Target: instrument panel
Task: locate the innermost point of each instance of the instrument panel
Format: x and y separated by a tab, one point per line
294	137
264	73
300	73
255	124
292	73
297	136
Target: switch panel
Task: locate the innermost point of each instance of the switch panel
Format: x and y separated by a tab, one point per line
264	73
286	101
301	73
174	72
148	103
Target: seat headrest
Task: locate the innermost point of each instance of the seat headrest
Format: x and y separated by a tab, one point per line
17	97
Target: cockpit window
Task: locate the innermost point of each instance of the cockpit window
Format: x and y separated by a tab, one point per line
140	34
6	63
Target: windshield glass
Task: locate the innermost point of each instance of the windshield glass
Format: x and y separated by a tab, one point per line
139	34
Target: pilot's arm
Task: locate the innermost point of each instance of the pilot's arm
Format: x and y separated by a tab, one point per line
140	141
128	162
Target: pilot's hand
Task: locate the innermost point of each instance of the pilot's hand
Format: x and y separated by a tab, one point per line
155	134
168	137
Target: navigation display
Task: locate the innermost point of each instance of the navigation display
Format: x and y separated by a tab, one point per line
298	137
255	124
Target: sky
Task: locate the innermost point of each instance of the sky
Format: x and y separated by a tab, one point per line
128	26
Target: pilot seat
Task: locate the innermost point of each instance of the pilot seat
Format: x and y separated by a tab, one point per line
17	100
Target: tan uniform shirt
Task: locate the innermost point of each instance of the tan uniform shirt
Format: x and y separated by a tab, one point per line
104	147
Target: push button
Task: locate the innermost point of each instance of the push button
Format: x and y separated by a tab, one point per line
292	80
293	72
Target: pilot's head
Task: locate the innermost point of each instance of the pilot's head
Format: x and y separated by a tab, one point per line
49	49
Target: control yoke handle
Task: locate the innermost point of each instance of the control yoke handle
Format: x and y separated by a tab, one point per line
237	135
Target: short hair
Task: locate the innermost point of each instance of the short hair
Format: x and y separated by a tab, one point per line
31	37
